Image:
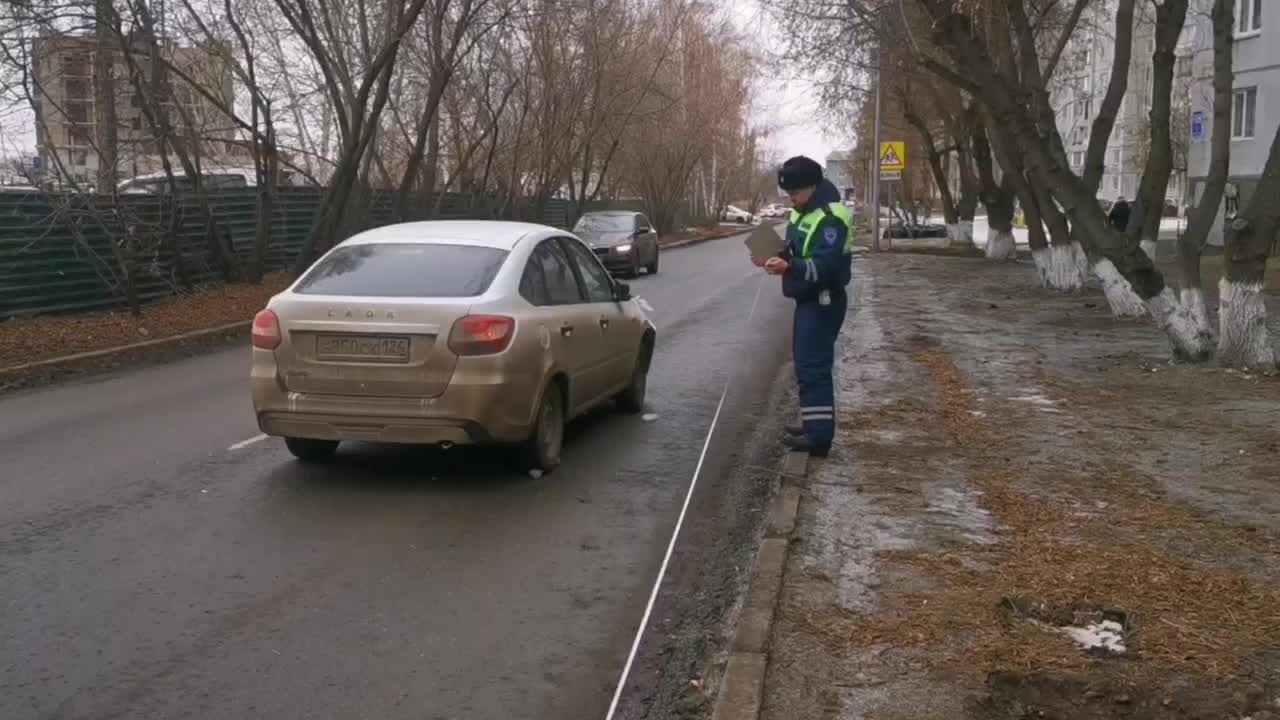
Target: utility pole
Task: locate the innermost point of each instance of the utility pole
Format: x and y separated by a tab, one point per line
874	175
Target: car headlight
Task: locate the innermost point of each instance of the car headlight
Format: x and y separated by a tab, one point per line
622	248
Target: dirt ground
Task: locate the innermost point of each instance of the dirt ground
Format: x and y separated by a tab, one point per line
1016	463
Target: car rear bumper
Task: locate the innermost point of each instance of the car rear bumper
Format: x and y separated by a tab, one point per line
479	411
391	429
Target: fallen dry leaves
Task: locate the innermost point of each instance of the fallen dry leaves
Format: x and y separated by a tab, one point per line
31	339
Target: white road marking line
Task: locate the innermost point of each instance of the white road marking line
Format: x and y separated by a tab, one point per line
246	443
675	534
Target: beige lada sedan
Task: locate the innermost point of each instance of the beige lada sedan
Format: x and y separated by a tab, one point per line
448	333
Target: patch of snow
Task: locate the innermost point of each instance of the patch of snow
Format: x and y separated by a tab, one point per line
649	417
1106	636
535	473
1035	399
644	304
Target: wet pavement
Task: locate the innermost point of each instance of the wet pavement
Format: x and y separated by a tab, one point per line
159	562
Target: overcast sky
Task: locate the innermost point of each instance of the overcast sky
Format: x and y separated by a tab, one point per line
782	102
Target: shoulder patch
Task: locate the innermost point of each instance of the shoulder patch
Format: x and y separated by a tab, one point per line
831	235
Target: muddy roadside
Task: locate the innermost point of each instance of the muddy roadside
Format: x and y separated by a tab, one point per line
1032	514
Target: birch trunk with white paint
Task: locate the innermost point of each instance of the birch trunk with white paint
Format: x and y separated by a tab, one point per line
1124	302
1192	298
1243	340
1149	247
1001	245
1178	321
1065	267
960	234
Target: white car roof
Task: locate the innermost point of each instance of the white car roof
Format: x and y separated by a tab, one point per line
485	233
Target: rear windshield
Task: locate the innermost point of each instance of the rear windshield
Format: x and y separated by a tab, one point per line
403	270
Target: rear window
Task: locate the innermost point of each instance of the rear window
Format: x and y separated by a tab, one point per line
403	270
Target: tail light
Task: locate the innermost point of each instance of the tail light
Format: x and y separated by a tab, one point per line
266	330
481	334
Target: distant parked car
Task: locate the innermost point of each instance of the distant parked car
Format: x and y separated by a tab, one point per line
624	241
214	178
736	214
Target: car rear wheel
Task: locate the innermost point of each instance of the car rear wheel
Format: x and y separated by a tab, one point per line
542	450
631	400
309	450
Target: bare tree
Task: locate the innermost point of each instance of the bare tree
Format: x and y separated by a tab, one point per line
1204	214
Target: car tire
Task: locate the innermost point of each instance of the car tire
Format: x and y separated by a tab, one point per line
631	399
652	268
310	450
634	271
546	442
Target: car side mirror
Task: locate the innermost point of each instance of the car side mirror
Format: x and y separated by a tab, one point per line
621	292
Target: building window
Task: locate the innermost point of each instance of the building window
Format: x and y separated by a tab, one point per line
79	158
1115	183
1077	159
1184	66
1248	16
1115	157
1244	107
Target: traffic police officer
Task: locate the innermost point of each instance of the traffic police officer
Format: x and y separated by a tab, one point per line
815	265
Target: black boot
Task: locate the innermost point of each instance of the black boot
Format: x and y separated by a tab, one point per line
802	444
794	430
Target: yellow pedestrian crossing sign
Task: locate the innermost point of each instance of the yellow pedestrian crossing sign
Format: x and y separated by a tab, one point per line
893	157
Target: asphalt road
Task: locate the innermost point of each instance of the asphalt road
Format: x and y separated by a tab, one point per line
157	563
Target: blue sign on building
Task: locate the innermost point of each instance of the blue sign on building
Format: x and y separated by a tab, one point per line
1197	126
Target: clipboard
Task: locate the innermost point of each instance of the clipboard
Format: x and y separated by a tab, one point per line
764	242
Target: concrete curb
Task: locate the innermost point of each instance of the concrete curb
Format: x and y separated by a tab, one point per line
741	692
92	355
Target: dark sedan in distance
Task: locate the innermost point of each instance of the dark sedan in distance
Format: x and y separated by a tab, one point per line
624	241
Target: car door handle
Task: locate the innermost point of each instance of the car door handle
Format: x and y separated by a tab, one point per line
566	330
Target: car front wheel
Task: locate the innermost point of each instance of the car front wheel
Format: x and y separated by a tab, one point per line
542	450
652	268
309	450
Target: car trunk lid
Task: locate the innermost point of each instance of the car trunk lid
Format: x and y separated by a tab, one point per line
367	346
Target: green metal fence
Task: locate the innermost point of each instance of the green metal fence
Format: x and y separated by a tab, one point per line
65	253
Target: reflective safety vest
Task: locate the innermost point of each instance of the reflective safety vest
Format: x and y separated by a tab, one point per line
808	224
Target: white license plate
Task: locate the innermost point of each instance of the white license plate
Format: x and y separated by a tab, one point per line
363	348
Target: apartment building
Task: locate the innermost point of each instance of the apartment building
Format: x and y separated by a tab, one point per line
1255	111
1080	84
66	126
839	172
